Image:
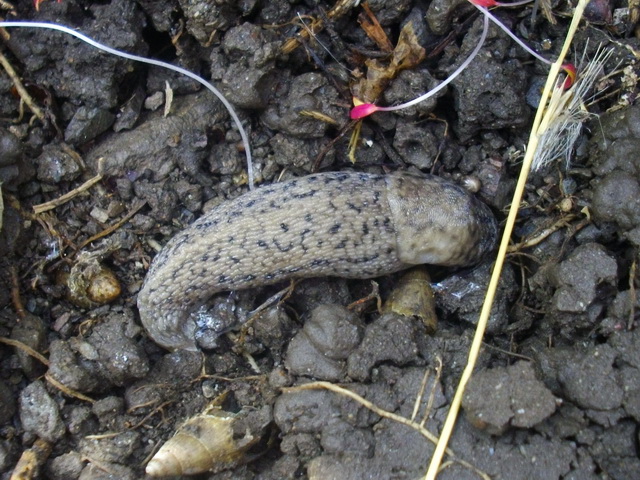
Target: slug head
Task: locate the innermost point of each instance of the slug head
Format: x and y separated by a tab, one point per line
438	222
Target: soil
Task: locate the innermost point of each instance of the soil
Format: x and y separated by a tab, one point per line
557	389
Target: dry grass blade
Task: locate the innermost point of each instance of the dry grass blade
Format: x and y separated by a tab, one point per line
385	414
532	147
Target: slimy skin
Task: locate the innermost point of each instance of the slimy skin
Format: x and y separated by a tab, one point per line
350	225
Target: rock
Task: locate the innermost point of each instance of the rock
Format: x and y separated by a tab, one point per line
500	397
120	357
111	449
72	370
56	164
587	379
490	92
303	358
67	466
391	338
439	14
7	403
309	91
304	411
39	413
31	331
87	124
462	294
250	79
109	411
273	328
578	277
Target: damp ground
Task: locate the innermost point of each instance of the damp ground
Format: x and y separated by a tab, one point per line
557	390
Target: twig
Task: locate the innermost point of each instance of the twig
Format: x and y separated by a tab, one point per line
15	294
544	233
115	226
25	348
151	414
423	386
24	95
45	207
385	414
339	9
66	390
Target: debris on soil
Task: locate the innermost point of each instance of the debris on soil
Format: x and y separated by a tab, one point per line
558	383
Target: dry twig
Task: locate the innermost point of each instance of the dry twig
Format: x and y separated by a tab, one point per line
45	207
24	95
385	414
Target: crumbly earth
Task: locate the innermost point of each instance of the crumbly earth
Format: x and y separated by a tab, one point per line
556	395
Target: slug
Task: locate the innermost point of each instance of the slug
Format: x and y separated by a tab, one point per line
343	224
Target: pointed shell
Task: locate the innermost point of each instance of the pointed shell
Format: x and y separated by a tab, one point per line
204	443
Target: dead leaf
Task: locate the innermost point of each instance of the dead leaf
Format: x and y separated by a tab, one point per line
373	29
407	54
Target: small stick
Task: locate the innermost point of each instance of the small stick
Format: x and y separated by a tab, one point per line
113	227
45	207
66	390
24	95
385	414
544	233
15	294
25	348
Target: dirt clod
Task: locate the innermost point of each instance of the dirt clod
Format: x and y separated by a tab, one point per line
39	413
558	378
501	397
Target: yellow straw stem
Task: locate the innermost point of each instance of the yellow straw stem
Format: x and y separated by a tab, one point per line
534	138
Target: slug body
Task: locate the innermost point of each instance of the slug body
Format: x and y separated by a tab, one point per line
351	225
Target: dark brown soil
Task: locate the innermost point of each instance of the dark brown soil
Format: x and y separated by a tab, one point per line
557	392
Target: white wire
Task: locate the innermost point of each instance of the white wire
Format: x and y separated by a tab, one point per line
150	61
450	78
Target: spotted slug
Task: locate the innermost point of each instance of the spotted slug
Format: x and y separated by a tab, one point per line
350	225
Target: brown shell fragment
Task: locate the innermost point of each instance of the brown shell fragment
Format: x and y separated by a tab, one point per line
206	442
413	297
90	283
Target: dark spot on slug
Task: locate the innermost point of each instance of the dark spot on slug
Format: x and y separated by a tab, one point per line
353	206
281	247
308	194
